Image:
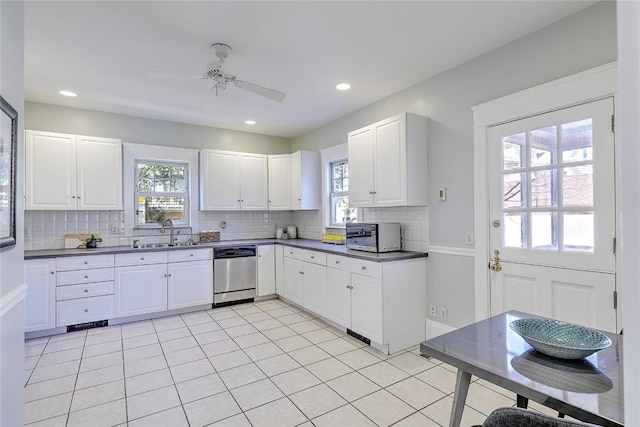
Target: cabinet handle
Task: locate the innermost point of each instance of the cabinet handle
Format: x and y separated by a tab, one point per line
79	197
86	310
86	262
302	272
53	272
168	275
364	268
142	259
239	200
337	262
86	290
73	197
312	257
86	277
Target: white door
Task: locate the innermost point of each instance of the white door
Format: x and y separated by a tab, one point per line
366	307
552	213
140	289
390	162
220	184
361	168
266	270
315	288
99	173
40	302
339	296
189	284
280	182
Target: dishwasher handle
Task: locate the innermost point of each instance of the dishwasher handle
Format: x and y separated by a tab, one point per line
239	252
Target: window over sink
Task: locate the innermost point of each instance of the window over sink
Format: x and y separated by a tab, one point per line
161	193
341	213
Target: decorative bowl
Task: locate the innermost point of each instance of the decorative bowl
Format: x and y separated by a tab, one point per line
560	339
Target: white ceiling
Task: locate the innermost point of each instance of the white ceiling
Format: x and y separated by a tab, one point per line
111	53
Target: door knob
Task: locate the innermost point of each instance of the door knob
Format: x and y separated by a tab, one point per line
496	223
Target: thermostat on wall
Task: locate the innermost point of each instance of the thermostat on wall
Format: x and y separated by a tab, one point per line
442	194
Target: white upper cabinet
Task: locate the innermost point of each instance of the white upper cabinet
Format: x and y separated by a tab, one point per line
233	181
305	180
68	172
280	182
388	163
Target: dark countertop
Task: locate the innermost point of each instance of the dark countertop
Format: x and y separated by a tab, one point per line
298	243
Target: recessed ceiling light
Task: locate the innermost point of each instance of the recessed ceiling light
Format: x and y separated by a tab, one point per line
67	93
250	122
343	86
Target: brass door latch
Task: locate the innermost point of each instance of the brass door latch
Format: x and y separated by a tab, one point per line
495	266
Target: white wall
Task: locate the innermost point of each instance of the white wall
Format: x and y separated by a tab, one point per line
579	42
54	118
12	261
627	137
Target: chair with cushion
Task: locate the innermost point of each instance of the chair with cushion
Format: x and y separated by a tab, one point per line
517	417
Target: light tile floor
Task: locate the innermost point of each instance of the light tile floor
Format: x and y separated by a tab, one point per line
260	364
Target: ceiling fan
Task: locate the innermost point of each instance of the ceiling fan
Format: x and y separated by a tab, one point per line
221	79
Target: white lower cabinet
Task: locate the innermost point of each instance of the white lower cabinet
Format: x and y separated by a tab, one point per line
292	280
140	289
314	284
279	255
40	301
339	297
266	270
189	284
366	307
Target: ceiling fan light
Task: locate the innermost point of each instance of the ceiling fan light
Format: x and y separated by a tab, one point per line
68	93
250	122
343	86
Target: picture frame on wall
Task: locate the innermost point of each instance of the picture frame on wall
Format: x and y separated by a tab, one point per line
8	150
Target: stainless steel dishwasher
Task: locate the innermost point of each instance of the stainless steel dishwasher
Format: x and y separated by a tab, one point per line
234	274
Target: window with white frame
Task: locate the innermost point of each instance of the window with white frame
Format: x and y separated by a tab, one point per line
161	192
341	213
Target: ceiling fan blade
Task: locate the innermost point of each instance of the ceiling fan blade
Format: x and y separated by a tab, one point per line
261	90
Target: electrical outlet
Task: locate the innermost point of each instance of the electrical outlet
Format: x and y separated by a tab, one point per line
27	232
468	238
117	228
443	313
434	310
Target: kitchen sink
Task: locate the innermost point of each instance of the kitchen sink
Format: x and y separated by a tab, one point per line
185	244
149	245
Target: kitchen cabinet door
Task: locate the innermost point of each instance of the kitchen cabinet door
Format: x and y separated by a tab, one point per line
254	189
220	180
314	287
366	307
293	279
189	284
279	251
140	289
306	186
266	270
390	177
50	171
280	182
40	301
361	173
339	297
99	173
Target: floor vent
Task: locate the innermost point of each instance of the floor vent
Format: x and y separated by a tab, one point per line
88	325
358	336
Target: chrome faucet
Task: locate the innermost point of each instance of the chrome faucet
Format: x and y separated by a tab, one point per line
164	223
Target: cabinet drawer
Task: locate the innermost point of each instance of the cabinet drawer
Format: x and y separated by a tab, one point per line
83	262
141	258
190	255
84	310
84	291
315	257
355	265
84	276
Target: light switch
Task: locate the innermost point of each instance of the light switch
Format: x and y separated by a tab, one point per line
442	194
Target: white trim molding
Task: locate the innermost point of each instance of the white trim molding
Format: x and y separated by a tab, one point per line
13	298
589	85
435	329
450	250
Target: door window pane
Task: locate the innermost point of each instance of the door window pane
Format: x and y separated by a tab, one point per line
513	151
543	230
543	185
577	186
512	187
577	141
515	231
578	231
543	146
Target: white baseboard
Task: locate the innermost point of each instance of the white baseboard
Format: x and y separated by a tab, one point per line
434	329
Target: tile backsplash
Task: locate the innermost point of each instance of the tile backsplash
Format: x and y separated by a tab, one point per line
47	228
